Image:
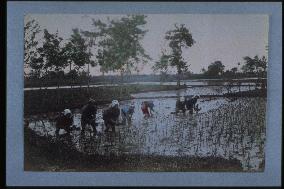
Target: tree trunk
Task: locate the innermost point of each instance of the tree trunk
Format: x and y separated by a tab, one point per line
71	82
178	81
121	75
178	77
88	78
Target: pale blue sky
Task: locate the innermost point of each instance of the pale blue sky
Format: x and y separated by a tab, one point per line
225	37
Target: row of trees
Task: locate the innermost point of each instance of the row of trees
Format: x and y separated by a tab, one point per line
114	45
252	67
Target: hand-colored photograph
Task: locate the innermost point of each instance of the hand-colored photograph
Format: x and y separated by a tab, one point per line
145	92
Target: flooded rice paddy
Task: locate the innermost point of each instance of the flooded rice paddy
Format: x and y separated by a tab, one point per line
205	82
223	128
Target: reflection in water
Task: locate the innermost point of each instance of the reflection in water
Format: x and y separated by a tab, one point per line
211	90
226	129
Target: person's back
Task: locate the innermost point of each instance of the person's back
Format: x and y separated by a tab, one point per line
145	109
89	111
111	113
150	104
180	105
88	116
125	109
189	103
64	121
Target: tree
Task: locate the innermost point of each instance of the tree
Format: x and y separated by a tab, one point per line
250	65
162	66
53	54
31	57
179	38
215	69
234	70
256	67
121	49
77	51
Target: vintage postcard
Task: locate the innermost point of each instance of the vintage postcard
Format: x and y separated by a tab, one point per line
145	92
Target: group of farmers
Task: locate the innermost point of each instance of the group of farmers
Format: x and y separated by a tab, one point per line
112	113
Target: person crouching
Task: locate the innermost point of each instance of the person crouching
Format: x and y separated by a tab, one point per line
147	108
89	112
191	104
180	105
64	121
127	112
111	116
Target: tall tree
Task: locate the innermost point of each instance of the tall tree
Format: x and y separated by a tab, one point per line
77	52
53	54
179	38
121	48
31	29
250	65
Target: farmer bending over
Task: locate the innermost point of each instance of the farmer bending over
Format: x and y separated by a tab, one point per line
64	121
147	108
89	112
180	105
191	104
127	112
111	115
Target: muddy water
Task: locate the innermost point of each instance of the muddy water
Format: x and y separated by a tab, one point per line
222	128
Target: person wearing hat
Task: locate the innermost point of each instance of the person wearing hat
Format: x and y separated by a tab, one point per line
180	105
64	121
147	108
111	116
127	112
191	104
89	112
196	107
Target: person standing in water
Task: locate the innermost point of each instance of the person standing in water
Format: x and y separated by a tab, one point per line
127	112
147	108
180	105
111	116
89	112
64	121
191	104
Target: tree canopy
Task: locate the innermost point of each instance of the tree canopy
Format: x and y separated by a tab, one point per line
178	38
121	48
216	68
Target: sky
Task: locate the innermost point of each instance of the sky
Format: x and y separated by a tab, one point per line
224	37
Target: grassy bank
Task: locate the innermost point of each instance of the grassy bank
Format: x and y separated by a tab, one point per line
43	155
51	100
